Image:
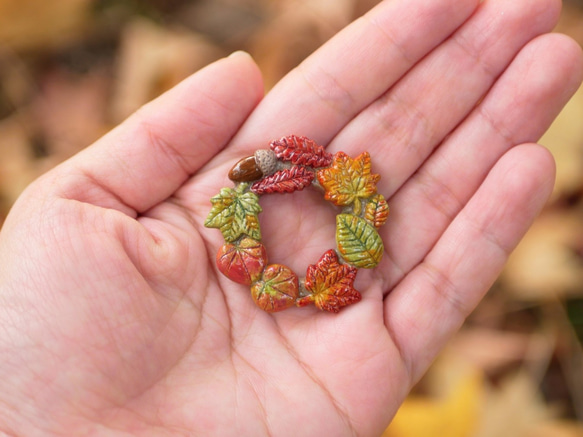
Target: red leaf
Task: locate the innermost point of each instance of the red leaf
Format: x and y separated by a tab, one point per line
330	284
244	262
284	181
302	151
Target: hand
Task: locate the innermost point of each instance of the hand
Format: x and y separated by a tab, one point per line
114	318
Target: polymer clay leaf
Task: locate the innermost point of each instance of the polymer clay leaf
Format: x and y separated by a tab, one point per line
277	290
358	242
377	210
301	150
348	180
242	262
234	212
284	181
330	284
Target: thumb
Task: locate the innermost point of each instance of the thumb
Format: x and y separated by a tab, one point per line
149	156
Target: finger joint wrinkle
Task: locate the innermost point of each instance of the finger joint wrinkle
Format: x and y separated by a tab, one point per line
328	89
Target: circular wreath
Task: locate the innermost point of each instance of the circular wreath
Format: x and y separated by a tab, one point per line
291	164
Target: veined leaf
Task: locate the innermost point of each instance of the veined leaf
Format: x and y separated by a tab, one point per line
242	262
377	210
348	180
330	284
288	180
234	212
358	242
301	151
277	290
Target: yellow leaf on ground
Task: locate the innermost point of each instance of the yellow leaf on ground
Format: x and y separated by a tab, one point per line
455	415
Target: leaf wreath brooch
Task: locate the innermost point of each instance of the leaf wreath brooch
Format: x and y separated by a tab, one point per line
291	164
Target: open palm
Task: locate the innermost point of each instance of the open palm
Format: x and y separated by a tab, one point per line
114	317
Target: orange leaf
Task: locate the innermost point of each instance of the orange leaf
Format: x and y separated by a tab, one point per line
277	290
377	211
330	284
348	180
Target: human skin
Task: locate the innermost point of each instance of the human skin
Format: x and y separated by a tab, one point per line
114	318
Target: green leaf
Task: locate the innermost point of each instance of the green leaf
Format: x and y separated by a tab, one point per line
234	212
358	242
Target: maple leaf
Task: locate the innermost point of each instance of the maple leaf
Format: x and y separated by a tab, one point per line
348	180
330	284
234	212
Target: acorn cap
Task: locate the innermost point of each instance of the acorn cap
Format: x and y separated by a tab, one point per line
266	161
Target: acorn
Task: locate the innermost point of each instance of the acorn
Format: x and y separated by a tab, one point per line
246	170
251	168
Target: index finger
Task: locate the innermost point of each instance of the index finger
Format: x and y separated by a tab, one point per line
350	71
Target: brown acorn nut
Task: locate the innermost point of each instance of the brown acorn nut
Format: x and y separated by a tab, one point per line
251	168
245	170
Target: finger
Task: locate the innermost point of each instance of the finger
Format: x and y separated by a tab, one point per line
431	303
402	128
320	96
144	160
518	109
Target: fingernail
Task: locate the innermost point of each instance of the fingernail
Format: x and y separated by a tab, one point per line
240	53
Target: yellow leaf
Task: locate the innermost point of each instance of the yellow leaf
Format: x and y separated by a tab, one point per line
456	415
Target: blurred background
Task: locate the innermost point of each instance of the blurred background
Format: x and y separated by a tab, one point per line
70	70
